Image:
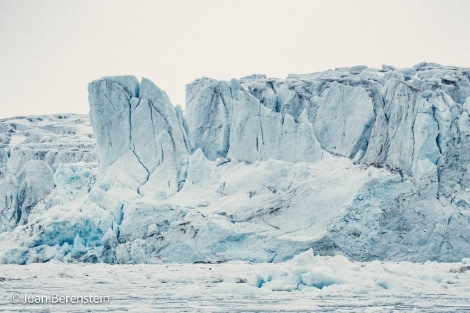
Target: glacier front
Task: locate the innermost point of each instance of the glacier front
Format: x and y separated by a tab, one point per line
368	163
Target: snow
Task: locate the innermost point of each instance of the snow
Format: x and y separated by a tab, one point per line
305	284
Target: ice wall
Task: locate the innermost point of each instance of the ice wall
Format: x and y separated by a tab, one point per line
413	120
369	163
139	134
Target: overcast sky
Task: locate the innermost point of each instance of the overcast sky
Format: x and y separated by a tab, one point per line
51	49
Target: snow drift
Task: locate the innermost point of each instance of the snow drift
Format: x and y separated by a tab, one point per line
367	163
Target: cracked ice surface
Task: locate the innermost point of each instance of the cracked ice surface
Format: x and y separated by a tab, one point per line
368	163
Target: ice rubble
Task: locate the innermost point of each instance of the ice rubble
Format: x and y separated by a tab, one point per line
367	163
34	151
307	283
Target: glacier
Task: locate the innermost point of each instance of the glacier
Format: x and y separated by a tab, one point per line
366	163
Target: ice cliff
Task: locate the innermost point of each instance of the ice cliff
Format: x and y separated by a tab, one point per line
369	163
137	127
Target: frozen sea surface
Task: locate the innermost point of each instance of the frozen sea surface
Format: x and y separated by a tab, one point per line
305	284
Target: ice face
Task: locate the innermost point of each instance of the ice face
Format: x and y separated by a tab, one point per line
396	118
245	121
110	117
344	119
139	134
368	163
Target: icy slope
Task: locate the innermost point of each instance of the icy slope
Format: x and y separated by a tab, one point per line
367	163
33	149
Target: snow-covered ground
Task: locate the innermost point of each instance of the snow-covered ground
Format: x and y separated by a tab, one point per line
307	283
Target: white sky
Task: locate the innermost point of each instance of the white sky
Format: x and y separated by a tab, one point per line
51	49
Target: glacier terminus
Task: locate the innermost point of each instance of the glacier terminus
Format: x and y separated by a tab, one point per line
372	164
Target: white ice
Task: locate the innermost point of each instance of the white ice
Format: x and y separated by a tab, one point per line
308	283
